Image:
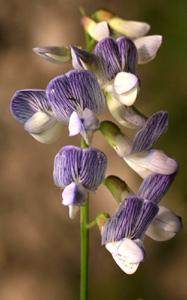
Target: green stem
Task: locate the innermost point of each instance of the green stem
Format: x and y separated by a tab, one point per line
84	219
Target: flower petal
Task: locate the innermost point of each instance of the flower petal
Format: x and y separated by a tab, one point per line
27	102
128	54
58	55
147	47
131	29
155	186
127	254
127	116
73	210
107	50
40	122
97	31
144	163
122	222
146	137
67	166
126	87
92	168
75	91
165	225
148	212
90	120
82	59
74	194
49	136
75	124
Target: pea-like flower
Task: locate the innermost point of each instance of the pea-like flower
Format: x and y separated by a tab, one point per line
32	108
139	154
76	99
124	232
114	63
78	171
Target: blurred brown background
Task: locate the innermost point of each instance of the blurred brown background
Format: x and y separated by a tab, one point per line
39	244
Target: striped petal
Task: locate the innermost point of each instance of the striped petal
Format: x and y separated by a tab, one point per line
58	55
93	167
85	166
147	47
155	186
121	224
82	59
67	166
148	212
165	225
75	91
25	103
128	116
108	51
128	54
127	254
144	163
146	137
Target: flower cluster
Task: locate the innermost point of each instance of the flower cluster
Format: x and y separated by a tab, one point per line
106	72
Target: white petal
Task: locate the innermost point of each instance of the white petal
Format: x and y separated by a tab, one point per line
125	88
131	29
73	210
90	119
40	122
165	225
146	162
147	47
51	135
101	31
75	124
127	254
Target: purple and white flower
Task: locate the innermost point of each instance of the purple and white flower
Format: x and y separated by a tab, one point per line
32	108
139	154
114	63
76	100
124	232
78	171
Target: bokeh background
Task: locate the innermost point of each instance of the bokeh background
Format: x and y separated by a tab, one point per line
39	244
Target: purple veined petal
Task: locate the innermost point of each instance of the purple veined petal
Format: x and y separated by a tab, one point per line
147	47
92	168
122	222
108	51
27	102
128	54
127	116
146	137
40	122
58	55
49	136
165	225
90	120
127	254
131	29
146	162
149	211
75	91
73	210
126	88
74	194
75	124
67	165
155	186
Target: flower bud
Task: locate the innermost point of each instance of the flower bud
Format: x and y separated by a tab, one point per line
58	55
101	219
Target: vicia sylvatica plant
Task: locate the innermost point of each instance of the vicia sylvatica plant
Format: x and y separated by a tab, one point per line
105	73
